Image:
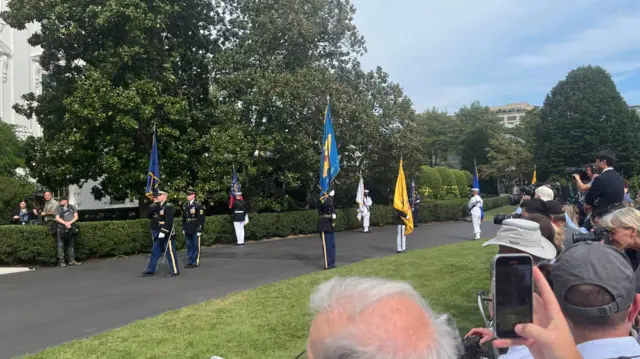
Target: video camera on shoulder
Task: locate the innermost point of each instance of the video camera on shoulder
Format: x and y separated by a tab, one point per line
528	190
499	218
581	171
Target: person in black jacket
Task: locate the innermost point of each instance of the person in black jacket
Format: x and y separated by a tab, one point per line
608	188
401	239
327	214
192	227
21	214
239	217
164	235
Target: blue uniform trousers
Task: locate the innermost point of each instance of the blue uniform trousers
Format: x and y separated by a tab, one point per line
158	248
193	248
328	249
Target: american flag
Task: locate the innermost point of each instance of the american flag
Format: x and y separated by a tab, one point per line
235	188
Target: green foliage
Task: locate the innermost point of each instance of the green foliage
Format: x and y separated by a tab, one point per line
468	176
429	183
478	125
583	114
34	244
510	162
449	185
11	151
461	182
12	191
440	134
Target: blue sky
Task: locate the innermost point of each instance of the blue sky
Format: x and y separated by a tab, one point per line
449	53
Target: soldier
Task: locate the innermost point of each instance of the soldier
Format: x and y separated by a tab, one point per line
164	235
415	208
325	227
239	218
192	227
475	208
401	238
366	210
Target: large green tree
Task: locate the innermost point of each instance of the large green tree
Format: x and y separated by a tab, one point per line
478	125
585	113
440	134
510	162
11	151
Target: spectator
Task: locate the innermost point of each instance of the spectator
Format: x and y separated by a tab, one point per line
591	173
564	232
376	318
547	229
21	215
533	206
627	198
608	188
66	216
541	194
49	209
524	236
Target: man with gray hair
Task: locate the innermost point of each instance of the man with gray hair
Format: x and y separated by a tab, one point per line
376	318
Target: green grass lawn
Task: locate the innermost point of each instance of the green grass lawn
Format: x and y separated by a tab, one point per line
272	321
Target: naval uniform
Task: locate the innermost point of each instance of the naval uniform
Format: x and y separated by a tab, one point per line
193	219
164	237
401	238
475	208
239	217
366	213
327	235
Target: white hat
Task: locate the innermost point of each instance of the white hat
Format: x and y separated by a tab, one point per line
545	193
523	235
475	189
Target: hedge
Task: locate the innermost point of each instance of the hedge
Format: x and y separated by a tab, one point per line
449	185
430	183
34	244
461	182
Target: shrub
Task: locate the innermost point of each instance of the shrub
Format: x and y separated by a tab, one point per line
461	182
468	176
34	244
449	185
429	183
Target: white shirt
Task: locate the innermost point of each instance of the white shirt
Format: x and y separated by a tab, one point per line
475	208
594	349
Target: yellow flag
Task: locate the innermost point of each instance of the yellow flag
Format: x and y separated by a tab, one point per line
401	200
534	180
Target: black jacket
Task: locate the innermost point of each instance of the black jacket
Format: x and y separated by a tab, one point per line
399	216
606	189
24	219
326	212
192	218
239	211
161	215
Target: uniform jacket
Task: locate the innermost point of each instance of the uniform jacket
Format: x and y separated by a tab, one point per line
326	212
239	211
475	204
399	216
161	215
193	218
606	189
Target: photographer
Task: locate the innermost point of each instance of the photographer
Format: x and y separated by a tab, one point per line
591	174
606	189
542	193
66	216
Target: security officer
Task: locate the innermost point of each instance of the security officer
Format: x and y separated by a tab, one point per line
325	227
164	235
192	227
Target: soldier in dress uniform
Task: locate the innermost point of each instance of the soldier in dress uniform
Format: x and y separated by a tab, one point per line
415	209
325	227
475	208
239	217
401	238
164	235
366	210
193	225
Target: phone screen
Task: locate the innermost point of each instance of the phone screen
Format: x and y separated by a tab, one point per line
513	296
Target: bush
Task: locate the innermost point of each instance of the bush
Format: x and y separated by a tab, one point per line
468	176
34	244
429	183
12	191
461	182
449	185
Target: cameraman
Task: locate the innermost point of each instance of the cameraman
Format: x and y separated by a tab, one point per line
606	189
66	216
542	193
591	173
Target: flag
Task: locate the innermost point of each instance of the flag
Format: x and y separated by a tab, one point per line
401	200
360	197
235	188
534	180
329	162
153	175
476	184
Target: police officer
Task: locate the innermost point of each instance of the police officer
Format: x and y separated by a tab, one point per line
164	235
325	227
192	227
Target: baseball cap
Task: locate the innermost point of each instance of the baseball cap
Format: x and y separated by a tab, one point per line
525	236
597	264
545	193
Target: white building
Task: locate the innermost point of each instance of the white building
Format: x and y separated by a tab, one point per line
512	113
22	74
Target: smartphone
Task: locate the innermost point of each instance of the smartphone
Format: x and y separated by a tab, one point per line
512	287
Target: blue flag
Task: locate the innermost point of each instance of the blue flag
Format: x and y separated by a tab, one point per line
476	184
153	176
329	162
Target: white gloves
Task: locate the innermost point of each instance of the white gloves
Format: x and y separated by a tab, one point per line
199	234
333	216
183	233
161	235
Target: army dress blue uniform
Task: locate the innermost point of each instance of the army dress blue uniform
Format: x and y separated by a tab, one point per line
327	235
193	220
164	236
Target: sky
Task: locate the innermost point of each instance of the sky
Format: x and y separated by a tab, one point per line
446	54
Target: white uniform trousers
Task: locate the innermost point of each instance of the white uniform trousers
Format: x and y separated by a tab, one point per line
476	218
239	226
365	220
401	239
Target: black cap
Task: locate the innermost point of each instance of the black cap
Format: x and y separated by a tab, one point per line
555	208
191	191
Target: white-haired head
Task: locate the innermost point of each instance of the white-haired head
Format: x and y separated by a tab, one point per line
371	318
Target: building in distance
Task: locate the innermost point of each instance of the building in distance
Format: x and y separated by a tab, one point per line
511	114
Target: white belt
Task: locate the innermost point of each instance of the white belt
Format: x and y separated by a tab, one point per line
239	212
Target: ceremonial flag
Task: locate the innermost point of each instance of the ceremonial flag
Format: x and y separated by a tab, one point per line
329	162
401	200
534	180
235	188
476	184
360	197
153	175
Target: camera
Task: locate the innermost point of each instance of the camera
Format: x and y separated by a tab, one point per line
581	171
499	218
529	190
599	234
473	349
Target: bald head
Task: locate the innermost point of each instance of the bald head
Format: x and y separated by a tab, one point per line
375	318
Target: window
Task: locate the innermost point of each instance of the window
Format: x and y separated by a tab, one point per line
512	119
113	201
62	192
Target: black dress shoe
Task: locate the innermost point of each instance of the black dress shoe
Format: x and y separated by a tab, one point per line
195	265
189	265
239	244
146	274
172	274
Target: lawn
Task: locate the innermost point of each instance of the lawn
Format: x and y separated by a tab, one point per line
272	321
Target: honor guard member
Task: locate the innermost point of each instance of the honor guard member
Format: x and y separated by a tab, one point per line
415	209
193	225
164	235
475	208
325	227
366	210
401	238
239	217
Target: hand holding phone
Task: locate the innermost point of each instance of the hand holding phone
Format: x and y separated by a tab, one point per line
512	293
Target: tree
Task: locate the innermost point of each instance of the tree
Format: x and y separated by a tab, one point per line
478	125
585	113
11	151
509	161
440	135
